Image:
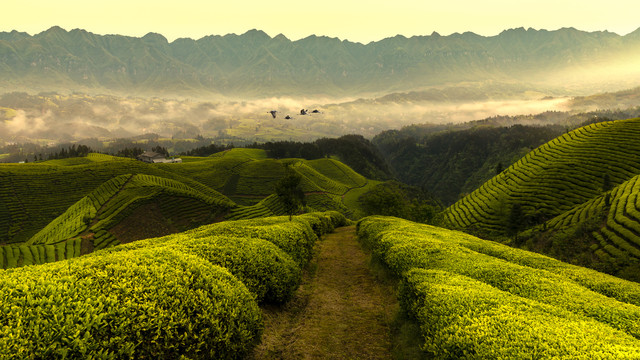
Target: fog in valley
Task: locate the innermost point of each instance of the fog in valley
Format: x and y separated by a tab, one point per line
52	118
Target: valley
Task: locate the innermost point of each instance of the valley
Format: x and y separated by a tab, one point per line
247	196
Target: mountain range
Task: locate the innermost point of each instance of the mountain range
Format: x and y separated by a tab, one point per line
255	64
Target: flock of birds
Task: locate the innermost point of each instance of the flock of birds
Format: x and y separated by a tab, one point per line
302	112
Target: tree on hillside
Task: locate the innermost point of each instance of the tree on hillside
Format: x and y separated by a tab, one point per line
606	182
515	221
289	191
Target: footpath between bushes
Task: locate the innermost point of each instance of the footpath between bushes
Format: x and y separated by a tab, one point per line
340	311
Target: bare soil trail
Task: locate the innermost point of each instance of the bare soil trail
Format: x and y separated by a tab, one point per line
340	311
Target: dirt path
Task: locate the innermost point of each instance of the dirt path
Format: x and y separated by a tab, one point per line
340	311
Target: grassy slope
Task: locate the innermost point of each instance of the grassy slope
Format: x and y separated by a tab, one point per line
247	177
136	200
34	194
553	178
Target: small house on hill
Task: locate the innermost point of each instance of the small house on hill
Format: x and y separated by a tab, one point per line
151	157
154	158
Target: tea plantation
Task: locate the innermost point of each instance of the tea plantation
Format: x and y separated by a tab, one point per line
111	258
191	295
136	200
475	298
552	179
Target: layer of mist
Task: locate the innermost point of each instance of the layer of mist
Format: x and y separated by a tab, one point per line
53	118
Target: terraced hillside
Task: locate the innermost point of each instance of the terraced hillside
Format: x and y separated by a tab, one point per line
125	208
476	298
552	179
603	233
138	200
34	194
247	177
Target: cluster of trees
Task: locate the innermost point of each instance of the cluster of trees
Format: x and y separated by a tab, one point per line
208	150
393	198
133	152
70	152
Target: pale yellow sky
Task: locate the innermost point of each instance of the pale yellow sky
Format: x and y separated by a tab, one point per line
361	21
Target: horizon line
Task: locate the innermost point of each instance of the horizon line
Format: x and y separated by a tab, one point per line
433	34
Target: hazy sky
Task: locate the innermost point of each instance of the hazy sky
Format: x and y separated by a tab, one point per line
361	21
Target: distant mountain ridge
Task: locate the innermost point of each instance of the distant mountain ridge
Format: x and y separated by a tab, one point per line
256	64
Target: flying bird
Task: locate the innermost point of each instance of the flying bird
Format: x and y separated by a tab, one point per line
315	111
288	117
303	112
273	113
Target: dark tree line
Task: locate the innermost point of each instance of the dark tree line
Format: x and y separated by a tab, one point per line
133	152
70	152
130	152
160	150
208	150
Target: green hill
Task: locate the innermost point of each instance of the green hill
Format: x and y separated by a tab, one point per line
477	298
602	233
557	176
34	194
61	209
450	160
154	203
246	176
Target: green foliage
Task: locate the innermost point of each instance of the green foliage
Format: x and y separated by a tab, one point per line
464	318
296	238
266	270
97	213
147	303
396	199
187	295
516	219
269	206
606	182
453	160
20	255
290	192
112	194
266	254
34	195
242	177
475	297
